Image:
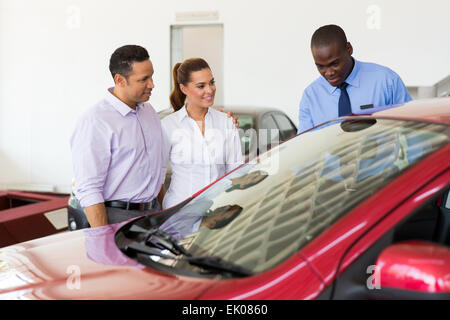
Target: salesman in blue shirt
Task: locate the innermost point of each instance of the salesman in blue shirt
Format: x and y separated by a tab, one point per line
346	85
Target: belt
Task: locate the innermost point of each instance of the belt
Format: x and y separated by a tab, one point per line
131	205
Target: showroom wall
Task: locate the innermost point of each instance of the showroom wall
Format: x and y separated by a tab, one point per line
54	60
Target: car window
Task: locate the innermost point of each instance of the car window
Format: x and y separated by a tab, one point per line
245	121
269	134
287	129
267	210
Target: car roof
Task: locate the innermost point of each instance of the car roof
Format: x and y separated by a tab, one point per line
435	110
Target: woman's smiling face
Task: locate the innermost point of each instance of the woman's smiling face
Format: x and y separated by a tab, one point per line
201	89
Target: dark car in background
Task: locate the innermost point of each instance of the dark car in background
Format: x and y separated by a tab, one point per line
277	127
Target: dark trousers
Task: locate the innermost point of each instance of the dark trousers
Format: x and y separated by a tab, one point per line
115	215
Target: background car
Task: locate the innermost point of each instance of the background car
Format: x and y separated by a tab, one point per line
356	210
251	118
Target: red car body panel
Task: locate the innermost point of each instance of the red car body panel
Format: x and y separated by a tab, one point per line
105	273
293	279
415	266
44	269
112	275
435	110
326	250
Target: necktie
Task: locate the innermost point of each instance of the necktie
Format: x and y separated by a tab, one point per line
344	101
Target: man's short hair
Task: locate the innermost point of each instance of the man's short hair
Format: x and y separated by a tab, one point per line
329	34
122	59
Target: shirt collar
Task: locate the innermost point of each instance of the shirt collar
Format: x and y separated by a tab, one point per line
182	113
352	79
119	105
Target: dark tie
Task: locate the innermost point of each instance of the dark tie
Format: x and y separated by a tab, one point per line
344	101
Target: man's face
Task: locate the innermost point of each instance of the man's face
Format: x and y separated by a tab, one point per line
139	85
334	62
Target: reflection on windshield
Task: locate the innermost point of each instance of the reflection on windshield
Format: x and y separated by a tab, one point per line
199	213
259	215
100	246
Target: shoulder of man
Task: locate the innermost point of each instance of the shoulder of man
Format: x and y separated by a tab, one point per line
313	87
320	82
379	69
96	112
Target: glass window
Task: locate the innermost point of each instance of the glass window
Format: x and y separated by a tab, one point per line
269	133
267	122
264	212
245	121
287	129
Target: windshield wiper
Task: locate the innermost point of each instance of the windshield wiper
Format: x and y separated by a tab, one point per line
156	237
161	238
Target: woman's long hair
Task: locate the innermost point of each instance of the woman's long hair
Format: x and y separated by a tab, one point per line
181	74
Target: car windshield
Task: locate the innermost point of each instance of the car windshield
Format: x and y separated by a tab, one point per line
268	209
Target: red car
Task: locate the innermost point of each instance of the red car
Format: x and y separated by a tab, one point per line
359	209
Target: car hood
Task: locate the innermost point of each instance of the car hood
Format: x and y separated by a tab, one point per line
86	264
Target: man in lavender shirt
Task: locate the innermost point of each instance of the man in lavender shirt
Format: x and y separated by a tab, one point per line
117	147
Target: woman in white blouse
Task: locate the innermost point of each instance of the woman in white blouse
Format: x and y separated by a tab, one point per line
203	143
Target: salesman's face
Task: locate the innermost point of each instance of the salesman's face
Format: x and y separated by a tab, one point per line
334	62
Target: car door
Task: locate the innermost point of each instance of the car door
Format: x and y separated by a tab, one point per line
413	220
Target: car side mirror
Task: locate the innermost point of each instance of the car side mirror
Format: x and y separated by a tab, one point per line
418	269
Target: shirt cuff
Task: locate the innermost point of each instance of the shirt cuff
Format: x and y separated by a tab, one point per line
90	200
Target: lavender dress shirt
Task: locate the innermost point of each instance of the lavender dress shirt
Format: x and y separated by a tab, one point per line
117	153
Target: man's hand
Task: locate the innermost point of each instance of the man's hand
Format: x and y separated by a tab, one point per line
96	215
235	118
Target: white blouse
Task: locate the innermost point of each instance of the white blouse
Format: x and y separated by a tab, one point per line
198	160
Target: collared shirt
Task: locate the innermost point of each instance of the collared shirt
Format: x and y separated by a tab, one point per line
117	153
369	85
198	160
